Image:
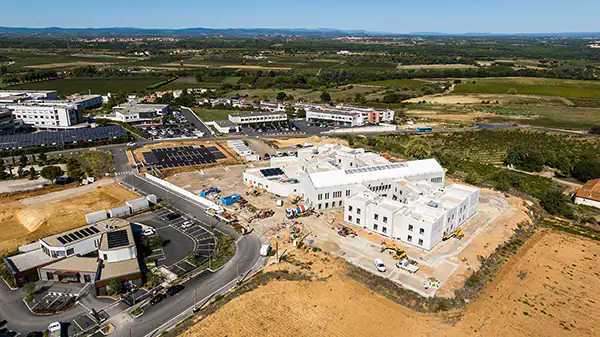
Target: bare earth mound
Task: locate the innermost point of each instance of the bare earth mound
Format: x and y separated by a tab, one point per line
22	224
547	289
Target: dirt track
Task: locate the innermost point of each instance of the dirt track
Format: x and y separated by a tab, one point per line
547	289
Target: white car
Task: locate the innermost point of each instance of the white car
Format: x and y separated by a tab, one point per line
379	265
131	144
187	224
149	232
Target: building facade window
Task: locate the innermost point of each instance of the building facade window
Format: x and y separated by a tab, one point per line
385	219
376	216
350	208
421	231
320	196
384	229
420	242
319	206
326	205
358	211
410	228
358	221
347	193
409	238
326	196
350	218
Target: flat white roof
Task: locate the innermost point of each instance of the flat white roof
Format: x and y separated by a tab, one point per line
378	172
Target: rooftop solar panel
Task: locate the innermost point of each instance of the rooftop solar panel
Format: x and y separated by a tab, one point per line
117	238
270	172
68	239
44	138
94	229
72	236
79	235
61	240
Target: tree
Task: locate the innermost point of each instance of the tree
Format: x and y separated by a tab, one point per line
29	289
281	96
32	173
76	174
418	148
115	287
359	98
595	129
301	113
512	91
555	203
20	172
23	160
42	157
586	168
289	111
52	172
325	97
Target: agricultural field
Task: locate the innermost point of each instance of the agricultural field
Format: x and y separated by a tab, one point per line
97	85
53	61
410	84
531	86
342	93
546	290
28	216
182	83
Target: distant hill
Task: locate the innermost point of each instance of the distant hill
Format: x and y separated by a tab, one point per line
132	31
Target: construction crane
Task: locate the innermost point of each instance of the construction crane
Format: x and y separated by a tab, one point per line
456	234
397	253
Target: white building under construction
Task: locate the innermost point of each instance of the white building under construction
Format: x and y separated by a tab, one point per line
406	201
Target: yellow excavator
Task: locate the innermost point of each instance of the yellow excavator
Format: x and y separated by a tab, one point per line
456	234
398	254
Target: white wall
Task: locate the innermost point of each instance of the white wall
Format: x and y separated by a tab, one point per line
207	203
588	202
118	255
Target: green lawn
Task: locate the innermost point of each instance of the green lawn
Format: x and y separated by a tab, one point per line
97	85
532	86
411	84
182	83
208	115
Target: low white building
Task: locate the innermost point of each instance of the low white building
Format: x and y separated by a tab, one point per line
30	94
344	118
132	112
258	117
87	101
224	126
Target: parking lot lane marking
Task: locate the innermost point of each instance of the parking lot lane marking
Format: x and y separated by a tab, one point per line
88	309
177	265
227	169
201	171
79	326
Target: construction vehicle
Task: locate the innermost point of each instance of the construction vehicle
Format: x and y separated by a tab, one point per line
255	191
397	253
230	199
456	234
385	155
294	199
208	191
263	214
345	231
296	212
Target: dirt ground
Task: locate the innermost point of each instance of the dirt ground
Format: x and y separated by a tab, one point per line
232	157
65	209
315	140
547	289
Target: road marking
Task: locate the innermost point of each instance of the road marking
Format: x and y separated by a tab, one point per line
227	169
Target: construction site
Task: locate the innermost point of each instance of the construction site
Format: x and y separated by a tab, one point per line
286	222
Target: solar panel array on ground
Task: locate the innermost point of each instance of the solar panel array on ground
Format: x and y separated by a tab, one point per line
117	238
216	152
180	156
271	172
45	138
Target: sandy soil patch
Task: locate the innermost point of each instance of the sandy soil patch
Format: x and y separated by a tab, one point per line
548	289
435	66
551	279
66	64
22	224
315	140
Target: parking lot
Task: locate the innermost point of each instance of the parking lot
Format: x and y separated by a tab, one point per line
180	242
174	126
182	156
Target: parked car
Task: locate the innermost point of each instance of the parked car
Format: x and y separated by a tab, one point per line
149	232
267	156
131	144
187	224
278	154
175	289
173	216
157	299
379	265
275	147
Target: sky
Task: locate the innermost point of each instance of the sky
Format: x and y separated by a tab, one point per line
394	16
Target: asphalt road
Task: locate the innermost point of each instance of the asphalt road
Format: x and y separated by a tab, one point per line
195	120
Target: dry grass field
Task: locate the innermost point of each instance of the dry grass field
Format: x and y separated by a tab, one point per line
547	289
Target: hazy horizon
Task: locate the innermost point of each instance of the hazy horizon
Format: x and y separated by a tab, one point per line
398	17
